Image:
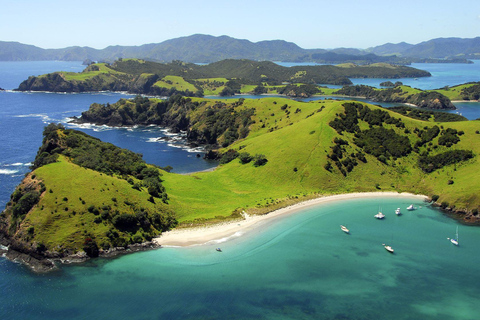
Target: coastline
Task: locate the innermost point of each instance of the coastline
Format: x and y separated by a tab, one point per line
203	235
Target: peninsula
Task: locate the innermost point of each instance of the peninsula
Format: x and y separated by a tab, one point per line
272	152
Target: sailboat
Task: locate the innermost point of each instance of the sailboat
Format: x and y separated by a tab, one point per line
379	215
411	207
454	240
344	229
388	248
398	212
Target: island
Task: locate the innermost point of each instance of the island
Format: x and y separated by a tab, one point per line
85	198
234	76
231	77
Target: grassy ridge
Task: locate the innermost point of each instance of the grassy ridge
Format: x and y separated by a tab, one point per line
296	151
179	83
62	216
468	91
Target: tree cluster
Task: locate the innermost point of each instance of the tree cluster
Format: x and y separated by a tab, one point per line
431	163
424	99
426	115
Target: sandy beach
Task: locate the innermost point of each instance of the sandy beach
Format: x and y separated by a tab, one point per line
202	235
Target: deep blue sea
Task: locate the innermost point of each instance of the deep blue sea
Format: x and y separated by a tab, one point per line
299	266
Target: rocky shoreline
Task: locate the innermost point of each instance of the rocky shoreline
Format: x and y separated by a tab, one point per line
461	215
52	261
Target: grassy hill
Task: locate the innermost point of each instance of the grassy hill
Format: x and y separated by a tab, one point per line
87	195
84	194
467	91
298	141
297	149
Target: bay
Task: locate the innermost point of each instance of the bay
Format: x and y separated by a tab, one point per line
25	114
297	267
300	266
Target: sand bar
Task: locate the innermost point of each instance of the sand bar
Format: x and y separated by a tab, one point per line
202	235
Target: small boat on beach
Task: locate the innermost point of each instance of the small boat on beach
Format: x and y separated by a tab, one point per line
344	229
218	249
379	215
454	241
388	248
398	212
411	207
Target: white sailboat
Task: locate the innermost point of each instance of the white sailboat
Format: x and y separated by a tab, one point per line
344	229
379	215
388	248
454	240
411	207
398	212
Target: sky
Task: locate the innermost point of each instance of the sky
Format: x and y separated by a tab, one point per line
309	24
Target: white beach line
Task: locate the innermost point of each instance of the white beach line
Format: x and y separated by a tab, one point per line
231	229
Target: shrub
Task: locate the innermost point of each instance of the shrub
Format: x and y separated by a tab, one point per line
25	203
245	157
435	197
228	156
90	247
328	166
125	222
259	160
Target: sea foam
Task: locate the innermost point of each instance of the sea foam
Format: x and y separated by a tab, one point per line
8	171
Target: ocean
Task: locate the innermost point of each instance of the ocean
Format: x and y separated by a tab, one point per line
301	266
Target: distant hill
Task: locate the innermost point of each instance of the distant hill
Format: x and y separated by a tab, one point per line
195	48
440	48
201	48
390	48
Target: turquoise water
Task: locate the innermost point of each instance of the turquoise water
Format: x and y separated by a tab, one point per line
297	267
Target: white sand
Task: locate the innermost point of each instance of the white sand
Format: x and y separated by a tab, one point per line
201	235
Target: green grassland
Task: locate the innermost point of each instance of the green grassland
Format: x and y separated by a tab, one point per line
88	73
456	93
62	215
296	150
453	93
175	82
212	86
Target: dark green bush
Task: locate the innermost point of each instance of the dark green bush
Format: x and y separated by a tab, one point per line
245	157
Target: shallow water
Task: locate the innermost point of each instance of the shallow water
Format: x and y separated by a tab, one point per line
300	266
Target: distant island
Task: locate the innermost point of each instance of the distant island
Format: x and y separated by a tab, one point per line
207	49
230	77
145	77
86	198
